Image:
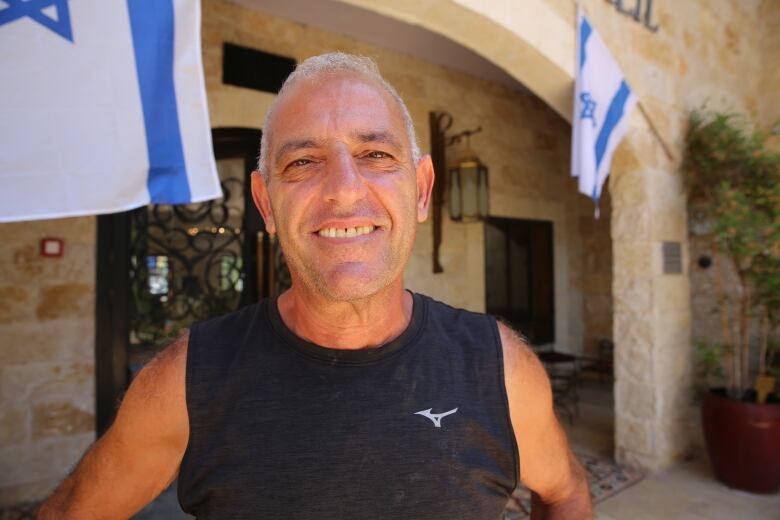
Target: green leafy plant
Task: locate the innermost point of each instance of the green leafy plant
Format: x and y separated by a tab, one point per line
709	367
733	181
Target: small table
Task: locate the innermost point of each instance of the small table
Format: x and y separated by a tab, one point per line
553	357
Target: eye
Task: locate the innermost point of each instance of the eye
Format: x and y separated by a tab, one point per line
298	163
376	154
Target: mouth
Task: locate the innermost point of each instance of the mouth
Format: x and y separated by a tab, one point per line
346	232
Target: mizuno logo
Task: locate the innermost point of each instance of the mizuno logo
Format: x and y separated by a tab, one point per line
435	417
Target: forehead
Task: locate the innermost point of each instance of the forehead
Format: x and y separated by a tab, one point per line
335	106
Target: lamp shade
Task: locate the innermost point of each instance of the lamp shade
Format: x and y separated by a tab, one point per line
468	196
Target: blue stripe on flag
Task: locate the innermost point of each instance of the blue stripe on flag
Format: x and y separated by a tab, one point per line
614	115
585	30
152	27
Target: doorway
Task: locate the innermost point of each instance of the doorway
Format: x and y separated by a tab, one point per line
162	267
519	276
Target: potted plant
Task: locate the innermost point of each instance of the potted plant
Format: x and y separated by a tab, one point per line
733	183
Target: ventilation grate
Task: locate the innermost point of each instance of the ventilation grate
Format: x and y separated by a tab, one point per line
672	252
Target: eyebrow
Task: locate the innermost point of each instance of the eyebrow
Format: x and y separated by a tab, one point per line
293	145
377	137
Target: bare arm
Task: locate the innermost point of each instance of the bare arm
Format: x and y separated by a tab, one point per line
139	455
547	465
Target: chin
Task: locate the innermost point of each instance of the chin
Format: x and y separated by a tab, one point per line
351	286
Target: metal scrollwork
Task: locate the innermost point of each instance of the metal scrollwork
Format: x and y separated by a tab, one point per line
186	264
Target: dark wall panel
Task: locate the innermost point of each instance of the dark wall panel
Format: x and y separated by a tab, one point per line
255	69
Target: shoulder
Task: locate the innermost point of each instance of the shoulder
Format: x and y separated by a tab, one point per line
243	317
215	341
528	387
454	319
158	391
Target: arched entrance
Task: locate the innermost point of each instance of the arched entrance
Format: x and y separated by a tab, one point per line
534	46
651	319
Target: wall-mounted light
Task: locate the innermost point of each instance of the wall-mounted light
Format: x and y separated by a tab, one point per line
468	194
466	189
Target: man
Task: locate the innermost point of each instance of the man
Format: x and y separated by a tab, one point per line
347	396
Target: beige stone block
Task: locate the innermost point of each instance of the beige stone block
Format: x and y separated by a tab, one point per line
27	268
633	365
634	436
60	418
46	382
673	350
646	462
595	281
598	306
234	106
28	260
633	354
14	425
66	300
14	304
632	294
631	225
673	439
28	342
48	459
632	259
635	400
676	397
673	293
671	225
74	230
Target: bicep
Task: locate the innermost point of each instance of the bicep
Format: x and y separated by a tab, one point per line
140	453
546	462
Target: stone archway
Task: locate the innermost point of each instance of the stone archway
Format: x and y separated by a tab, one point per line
651	310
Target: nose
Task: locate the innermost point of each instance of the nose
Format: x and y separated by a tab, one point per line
344	184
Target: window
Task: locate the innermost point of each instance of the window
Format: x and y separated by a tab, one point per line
519	276
159	271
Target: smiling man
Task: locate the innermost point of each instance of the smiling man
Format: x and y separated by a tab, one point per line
347	396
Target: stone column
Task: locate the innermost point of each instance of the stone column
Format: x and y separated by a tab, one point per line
651	309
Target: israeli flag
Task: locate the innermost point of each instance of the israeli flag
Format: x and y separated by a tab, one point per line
103	107
603	102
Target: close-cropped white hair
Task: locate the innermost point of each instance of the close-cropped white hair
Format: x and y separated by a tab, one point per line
331	63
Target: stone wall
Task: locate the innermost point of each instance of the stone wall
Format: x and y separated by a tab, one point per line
707	326
704	52
536	187
47	397
47	305
770	47
720	51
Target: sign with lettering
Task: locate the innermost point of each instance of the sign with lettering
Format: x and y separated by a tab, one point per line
639	10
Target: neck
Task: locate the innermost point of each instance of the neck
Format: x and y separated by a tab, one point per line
366	323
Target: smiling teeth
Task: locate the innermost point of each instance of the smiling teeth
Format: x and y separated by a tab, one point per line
345	232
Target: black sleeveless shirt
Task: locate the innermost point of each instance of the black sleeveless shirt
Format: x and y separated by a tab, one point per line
284	429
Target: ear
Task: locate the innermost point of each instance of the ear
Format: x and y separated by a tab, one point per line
425	178
263	203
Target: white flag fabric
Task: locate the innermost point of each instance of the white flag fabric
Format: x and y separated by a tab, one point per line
603	102
103	107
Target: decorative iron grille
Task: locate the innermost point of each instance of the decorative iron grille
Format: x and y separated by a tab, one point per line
186	264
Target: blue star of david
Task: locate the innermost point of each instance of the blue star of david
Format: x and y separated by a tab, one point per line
588	107
34	9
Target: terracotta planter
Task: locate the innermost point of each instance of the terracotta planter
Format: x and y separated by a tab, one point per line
743	441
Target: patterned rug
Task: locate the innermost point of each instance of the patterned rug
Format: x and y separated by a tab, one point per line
19	512
605	479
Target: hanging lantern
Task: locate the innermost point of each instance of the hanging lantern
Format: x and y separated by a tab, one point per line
468	196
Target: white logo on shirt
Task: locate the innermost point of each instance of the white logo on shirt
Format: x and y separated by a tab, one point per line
435	417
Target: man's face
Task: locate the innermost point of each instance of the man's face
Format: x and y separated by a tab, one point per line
342	193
